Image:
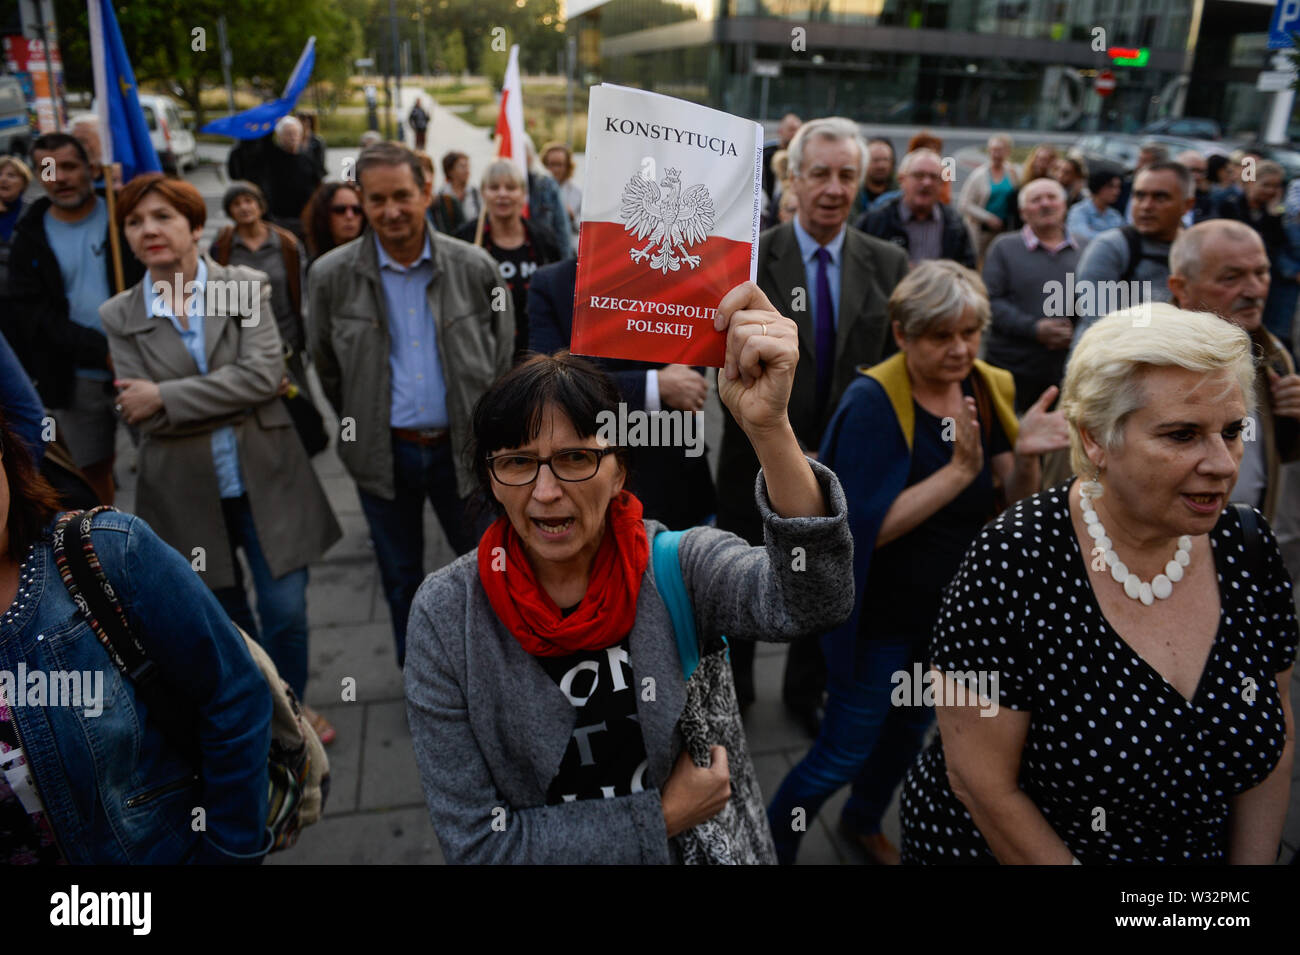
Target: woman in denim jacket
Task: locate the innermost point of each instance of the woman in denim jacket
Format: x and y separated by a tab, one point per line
88	777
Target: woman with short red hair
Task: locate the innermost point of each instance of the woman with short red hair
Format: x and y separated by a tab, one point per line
200	371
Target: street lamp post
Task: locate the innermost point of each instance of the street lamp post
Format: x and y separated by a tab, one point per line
424	57
225	63
571	49
397	66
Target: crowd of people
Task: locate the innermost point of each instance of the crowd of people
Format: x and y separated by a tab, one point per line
1020	448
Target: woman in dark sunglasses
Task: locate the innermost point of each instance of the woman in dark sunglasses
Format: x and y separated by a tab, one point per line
546	692
332	217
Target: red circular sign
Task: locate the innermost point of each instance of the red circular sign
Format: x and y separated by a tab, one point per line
1105	83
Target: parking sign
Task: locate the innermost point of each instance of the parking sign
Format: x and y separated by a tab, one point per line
1286	18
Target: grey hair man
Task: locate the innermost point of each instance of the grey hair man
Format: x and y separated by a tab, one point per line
916	220
1221	266
1026	274
288	134
288	174
828	162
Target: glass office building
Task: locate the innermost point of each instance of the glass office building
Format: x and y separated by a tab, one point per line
978	63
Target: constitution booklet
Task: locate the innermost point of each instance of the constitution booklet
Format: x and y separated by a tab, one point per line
670	220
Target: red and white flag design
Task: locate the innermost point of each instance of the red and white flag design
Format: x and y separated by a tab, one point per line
670	219
510	117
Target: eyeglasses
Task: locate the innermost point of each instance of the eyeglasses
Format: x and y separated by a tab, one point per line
343	210
570	464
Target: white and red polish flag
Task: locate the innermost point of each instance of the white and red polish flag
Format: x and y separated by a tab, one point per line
510	120
670	218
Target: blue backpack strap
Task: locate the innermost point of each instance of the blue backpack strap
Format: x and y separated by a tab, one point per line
672	588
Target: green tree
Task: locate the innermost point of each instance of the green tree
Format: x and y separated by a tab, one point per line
174	42
534	25
492	63
454	59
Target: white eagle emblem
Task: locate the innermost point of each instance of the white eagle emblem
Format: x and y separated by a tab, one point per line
674	221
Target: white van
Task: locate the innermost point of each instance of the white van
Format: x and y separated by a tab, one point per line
15	119
172	140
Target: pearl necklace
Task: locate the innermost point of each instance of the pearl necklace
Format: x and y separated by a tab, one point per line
1136	588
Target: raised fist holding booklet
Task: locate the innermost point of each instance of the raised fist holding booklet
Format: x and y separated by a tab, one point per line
514	773
670	224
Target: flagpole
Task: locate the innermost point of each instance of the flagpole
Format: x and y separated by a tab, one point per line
107	146
114	239
482	203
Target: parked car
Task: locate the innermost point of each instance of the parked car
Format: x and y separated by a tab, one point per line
1178	144
1109	150
171	138
1121	149
15	119
1186	127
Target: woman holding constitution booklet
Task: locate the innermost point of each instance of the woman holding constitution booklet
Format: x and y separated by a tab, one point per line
546	678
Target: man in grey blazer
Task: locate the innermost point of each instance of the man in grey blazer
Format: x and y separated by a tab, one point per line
835	283
408	329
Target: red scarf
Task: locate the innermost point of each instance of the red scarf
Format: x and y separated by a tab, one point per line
608	609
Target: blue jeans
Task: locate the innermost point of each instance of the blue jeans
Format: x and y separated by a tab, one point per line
281	603
397	526
863	740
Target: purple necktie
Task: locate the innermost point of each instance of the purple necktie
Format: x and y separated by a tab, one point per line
825	332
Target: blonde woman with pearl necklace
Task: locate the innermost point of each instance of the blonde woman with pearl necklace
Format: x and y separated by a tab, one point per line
1142	631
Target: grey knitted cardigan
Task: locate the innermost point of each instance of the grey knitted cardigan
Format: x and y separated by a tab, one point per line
490	727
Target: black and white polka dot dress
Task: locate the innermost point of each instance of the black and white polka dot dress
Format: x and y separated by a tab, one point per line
1122	766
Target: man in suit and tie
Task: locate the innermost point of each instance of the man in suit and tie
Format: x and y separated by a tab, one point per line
834	282
674	486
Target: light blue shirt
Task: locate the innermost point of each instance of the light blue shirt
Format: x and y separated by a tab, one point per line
419	392
808	247
225	450
1084	222
81	249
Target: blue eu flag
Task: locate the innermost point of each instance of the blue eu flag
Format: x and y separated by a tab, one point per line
127	136
260	120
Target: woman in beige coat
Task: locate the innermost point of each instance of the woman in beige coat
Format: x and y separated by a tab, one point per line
988	197
200	371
